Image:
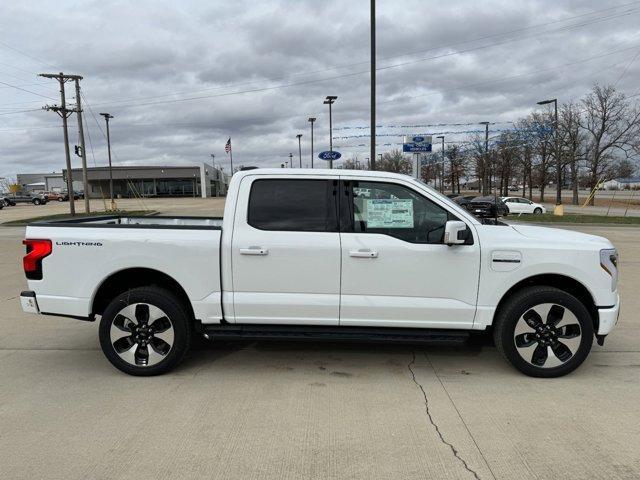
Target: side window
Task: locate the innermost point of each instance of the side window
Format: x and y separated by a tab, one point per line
397	211
293	205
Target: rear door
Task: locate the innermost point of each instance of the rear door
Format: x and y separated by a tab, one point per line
396	270
286	251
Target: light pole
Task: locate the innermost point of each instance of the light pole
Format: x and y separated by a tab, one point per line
299	137
107	116
311	120
441	137
372	15
329	101
556	148
290	160
487	169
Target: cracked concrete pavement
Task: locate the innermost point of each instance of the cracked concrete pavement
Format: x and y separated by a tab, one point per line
292	410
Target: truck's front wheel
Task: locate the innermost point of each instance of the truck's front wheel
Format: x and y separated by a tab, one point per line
145	331
544	332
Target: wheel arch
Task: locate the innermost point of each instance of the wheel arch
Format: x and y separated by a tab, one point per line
129	278
561	282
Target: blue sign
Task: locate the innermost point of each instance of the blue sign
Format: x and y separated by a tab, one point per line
328	155
416	144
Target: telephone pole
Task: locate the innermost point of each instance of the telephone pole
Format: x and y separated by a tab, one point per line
107	116
85	181
64	114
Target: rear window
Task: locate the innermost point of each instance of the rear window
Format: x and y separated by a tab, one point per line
293	205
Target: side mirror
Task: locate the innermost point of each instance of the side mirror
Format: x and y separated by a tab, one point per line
455	232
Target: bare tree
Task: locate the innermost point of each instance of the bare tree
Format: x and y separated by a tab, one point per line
353	163
571	142
612	127
543	148
395	162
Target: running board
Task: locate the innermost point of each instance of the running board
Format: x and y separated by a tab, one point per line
334	334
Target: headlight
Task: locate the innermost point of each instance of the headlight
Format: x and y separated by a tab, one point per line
609	262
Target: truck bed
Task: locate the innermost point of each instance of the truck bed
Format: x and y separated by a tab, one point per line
87	252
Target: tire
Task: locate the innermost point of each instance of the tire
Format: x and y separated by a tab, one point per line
537	211
140	351
531	343
60	199
36	201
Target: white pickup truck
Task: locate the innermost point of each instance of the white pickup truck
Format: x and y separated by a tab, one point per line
311	254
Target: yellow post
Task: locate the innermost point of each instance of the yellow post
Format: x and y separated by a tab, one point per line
558	210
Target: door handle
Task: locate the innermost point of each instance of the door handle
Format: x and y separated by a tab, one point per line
254	251
363	253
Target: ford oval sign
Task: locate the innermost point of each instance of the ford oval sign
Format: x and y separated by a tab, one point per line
328	155
418	139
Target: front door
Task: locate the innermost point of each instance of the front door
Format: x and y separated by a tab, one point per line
396	270
286	251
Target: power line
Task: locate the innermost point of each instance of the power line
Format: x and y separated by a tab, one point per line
28	91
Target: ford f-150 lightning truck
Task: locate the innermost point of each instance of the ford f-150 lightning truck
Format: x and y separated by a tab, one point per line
339	254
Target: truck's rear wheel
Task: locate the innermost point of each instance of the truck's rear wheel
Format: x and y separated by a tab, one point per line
544	332
145	331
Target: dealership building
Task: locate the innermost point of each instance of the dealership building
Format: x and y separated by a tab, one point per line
201	180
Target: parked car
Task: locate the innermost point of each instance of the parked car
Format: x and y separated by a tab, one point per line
36	199
464	200
485	207
53	196
293	259
520	205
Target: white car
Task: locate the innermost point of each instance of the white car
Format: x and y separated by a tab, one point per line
519	205
325	254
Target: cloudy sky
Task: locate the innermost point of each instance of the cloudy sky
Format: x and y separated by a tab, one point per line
181	77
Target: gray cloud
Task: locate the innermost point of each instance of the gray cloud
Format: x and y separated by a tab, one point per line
182	77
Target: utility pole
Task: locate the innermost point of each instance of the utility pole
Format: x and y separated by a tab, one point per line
557	149
311	120
64	114
329	101
487	168
372	155
299	137
107	116
85	181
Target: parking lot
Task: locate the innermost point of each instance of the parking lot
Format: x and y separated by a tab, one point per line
311	410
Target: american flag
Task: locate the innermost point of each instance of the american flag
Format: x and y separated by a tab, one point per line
227	147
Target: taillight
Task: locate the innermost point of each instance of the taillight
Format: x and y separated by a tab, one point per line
32	261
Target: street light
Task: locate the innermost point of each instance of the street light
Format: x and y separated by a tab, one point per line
441	137
107	116
299	137
311	120
557	149
486	156
329	101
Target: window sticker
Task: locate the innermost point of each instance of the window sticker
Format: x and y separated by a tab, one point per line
389	213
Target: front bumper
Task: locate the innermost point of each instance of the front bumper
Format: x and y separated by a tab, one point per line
608	317
29	302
